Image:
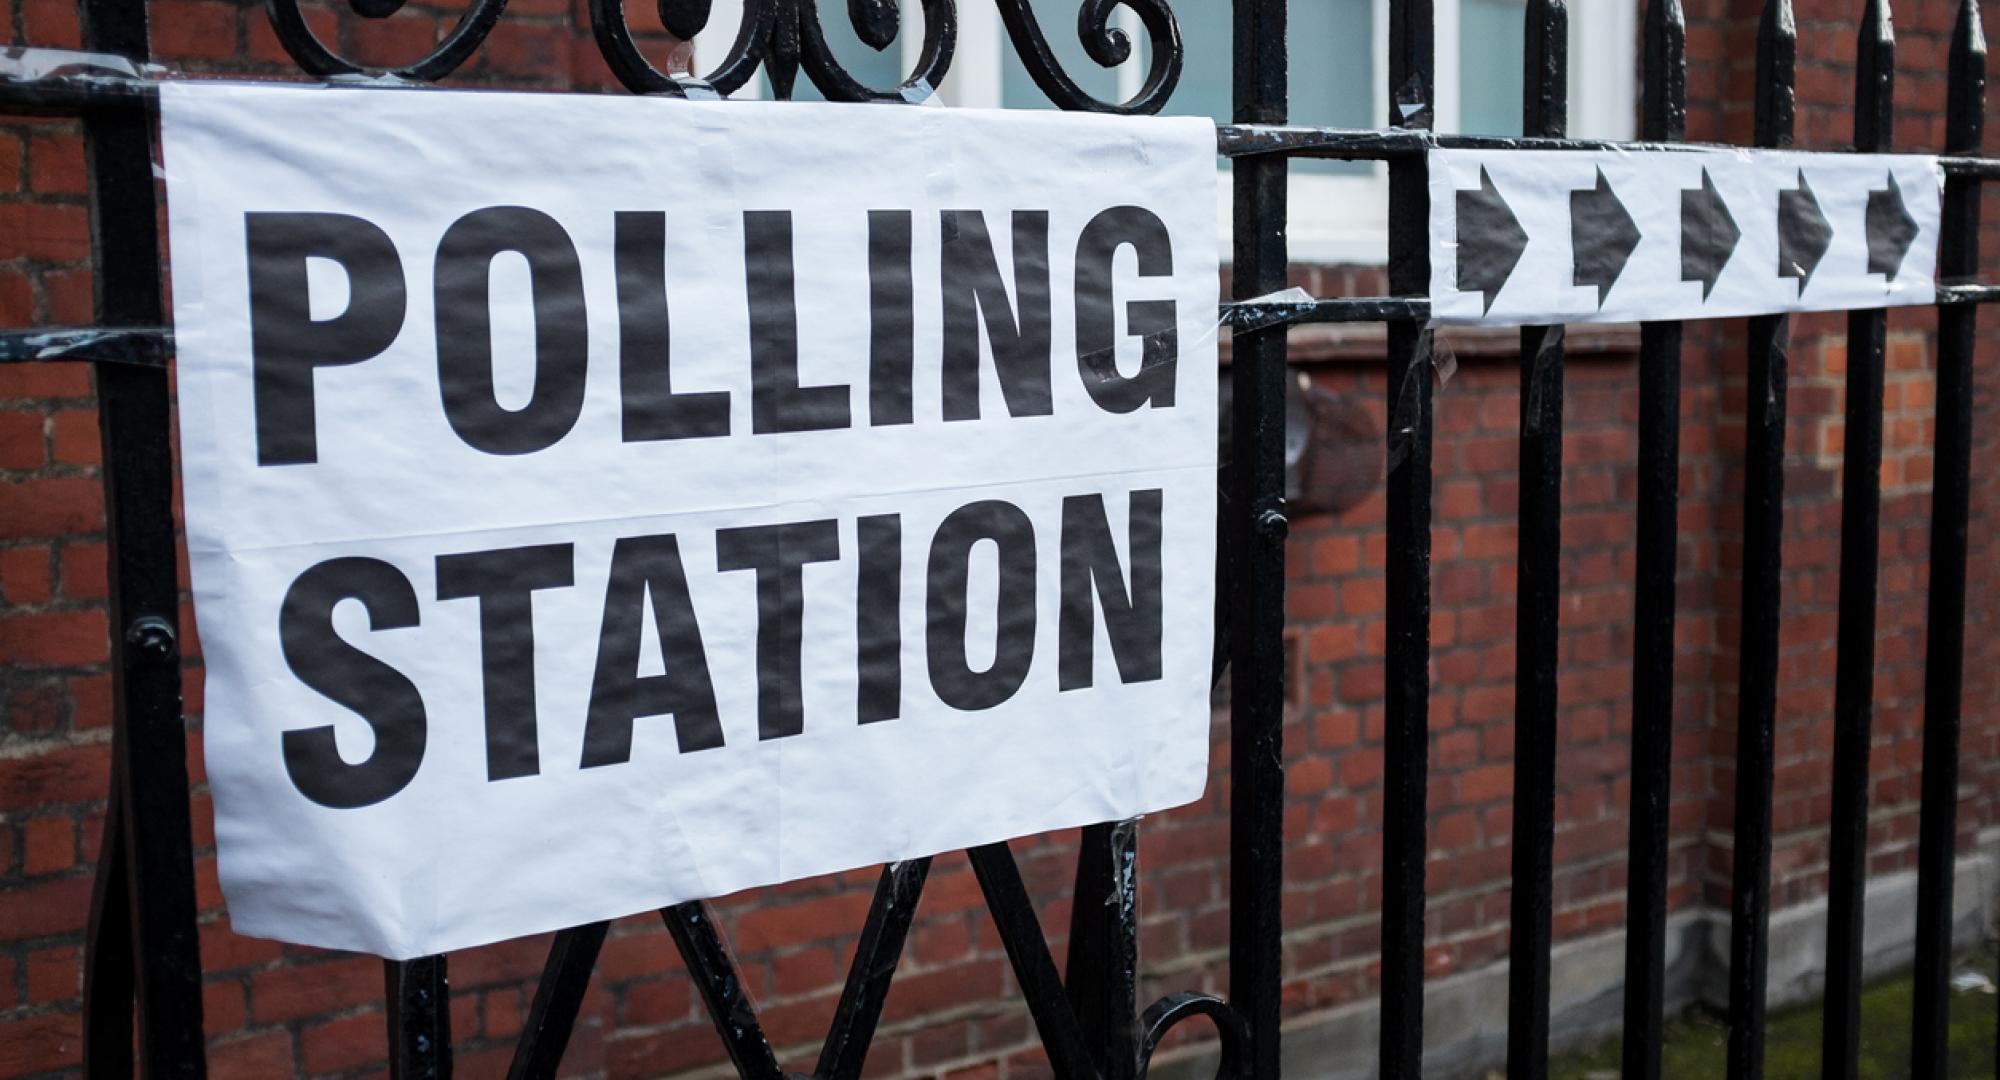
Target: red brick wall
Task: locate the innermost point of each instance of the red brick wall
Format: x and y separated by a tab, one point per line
279	1011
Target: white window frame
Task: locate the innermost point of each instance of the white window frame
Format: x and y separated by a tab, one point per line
1333	219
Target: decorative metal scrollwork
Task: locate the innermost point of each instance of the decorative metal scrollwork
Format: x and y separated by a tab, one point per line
1230	1027
785	37
1103	43
314	58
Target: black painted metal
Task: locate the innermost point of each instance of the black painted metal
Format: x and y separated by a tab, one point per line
874	965
419	998
558	999
722	990
1407	652
1763	525
1256	537
142	936
1860	519
1663	116
142	944
1545	99
1102	970
1944	645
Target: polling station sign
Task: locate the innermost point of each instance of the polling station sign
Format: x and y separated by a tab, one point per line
598	503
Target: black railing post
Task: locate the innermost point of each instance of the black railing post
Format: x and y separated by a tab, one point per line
419	999
1763	526
1256	536
1545	112
1944	651
1101	972
1663	117
142	936
1407	652
1860	518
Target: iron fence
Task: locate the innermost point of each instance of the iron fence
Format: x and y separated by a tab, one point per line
143	947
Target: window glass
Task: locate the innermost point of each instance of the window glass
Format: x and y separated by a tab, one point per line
1057	18
1332	66
881	70
1491	37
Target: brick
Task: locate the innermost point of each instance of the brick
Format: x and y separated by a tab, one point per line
834	916
44	909
17	299
255	1057
56	379
82	570
56	165
193	30
73	435
58	776
24	575
55	974
44	231
10	162
35	710
71	296
39	1044
50	508
48	845
349	1043
54	639
292	993
23	444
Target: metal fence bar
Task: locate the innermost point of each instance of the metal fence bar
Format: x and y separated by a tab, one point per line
876	955
1763	525
1664	117
559	994
1255	533
1944	651
1538	573
1860	521
1101	972
1406	750
419	998
149	915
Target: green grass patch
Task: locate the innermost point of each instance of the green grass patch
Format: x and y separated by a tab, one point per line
1695	1042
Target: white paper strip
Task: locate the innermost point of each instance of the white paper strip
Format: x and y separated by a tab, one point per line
507	629
1531	236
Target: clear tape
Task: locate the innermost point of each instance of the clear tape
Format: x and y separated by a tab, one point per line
26	63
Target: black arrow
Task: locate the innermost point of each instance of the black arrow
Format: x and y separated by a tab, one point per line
1602	236
1804	234
1890	230
1708	234
1490	240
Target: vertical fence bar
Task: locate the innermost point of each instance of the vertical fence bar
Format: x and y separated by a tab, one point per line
149	843
1860	520
1256	535
1101	971
1944	654
1407	651
1763	526
1664	118
1545	111
419	1018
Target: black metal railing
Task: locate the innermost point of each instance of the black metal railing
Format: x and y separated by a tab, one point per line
142	943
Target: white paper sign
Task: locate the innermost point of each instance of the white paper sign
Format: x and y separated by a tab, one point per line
597	503
1545	236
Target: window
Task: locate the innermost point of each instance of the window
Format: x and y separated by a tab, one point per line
1339	56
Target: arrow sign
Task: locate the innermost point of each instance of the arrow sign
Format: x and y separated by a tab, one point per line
1602	236
1708	234
1890	230
1804	234
1531	237
1490	240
